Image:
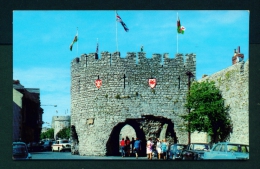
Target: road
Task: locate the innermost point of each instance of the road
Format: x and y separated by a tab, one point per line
49	155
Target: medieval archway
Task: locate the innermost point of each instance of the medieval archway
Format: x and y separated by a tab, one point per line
148	126
113	141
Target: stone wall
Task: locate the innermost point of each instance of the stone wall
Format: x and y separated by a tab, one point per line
233	83
95	112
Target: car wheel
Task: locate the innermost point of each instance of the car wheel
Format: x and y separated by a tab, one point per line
183	158
195	157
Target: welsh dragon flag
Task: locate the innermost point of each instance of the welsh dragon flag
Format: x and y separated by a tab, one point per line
180	29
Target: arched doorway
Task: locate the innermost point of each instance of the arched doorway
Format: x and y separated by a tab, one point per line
113	141
148	126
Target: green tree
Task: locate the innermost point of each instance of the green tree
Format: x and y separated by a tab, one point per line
207	111
64	133
48	134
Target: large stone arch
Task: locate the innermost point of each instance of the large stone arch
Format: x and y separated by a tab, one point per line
112	145
148	126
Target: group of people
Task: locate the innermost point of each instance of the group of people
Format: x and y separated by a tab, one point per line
161	147
125	146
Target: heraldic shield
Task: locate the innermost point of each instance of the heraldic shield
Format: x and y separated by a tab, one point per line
98	83
152	83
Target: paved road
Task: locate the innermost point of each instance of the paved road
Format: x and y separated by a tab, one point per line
48	155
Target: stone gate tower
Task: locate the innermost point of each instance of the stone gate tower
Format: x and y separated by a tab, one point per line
98	115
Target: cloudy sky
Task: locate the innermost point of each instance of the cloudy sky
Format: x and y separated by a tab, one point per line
41	40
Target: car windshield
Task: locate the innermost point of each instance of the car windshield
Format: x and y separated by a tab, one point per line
19	149
237	148
199	147
47	143
180	147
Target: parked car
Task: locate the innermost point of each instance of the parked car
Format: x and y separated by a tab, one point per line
61	145
175	153
35	146
226	151
47	145
20	151
195	151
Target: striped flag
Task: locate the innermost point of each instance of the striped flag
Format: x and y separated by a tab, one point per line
122	23
180	29
74	41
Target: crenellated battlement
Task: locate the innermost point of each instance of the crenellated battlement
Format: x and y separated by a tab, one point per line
132	59
60	118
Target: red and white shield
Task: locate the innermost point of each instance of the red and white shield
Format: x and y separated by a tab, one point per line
152	83
98	83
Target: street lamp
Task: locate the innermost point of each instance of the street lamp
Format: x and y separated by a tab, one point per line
50	105
190	75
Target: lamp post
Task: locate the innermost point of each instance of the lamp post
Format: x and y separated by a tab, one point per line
50	105
190	75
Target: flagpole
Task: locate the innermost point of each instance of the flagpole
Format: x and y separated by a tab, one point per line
97	45
116	34
177	33
78	42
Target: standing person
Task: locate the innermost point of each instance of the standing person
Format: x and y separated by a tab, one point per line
149	149
132	144
158	148
164	149
175	149
127	146
137	147
122	146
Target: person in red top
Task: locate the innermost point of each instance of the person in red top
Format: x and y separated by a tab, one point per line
122	147
127	146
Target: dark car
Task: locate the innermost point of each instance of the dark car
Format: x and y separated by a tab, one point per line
20	151
195	151
35	146
47	145
174	152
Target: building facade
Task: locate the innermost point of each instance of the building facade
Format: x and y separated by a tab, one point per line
17	116
29	114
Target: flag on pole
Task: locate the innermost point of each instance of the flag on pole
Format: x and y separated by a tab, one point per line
74	41
122	23
97	48
180	29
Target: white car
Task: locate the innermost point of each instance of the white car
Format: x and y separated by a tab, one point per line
61	145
